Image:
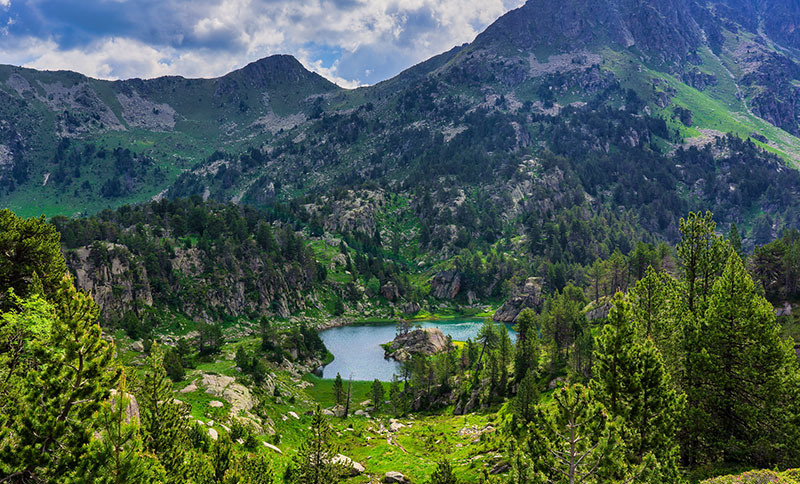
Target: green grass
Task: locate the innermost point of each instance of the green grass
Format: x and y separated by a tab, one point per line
321	391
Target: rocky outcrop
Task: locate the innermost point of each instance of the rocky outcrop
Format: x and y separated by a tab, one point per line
528	296
446	284
427	341
394	477
390	291
238	395
111	275
351	467
699	80
198	283
598	312
411	308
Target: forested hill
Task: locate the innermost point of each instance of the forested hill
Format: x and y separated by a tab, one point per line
654	107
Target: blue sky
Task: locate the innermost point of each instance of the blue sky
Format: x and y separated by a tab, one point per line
351	42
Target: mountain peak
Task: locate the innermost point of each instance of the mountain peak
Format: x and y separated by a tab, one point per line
665	30
281	68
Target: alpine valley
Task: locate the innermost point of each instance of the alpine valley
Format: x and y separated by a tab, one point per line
543	195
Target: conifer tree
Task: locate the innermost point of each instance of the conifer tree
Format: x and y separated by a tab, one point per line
118	455
526	356
488	337
56	377
741	392
505	355
164	424
735	239
702	254
444	474
28	247
378	394
575	441
173	365
338	389
630	380
660	313
526	399
314	462
250	469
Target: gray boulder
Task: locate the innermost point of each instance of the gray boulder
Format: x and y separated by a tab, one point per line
394	477
352	467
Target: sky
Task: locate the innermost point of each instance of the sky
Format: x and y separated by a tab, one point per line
350	42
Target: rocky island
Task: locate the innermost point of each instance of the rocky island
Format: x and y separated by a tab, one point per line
427	341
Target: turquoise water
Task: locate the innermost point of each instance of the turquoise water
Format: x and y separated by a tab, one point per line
359	356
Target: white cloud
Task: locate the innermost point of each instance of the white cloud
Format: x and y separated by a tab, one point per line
5	3
205	38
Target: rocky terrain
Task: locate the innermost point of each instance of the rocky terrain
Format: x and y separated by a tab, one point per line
528	296
425	342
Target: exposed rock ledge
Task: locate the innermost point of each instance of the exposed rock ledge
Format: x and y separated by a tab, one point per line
428	341
528	296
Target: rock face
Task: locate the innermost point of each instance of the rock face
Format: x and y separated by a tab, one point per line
528	296
390	291
112	275
411	308
394	477
428	341
116	278
446	284
599	312
238	395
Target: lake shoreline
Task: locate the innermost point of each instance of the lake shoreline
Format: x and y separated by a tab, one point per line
358	348
342	322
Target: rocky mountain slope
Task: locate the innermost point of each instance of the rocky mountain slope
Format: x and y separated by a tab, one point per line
620	115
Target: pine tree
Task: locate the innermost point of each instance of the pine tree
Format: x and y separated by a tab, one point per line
702	254
173	365
28	247
630	380
526	356
338	389
735	239
118	456
314	462
55	378
242	358
576	442
378	394
740	390
562	321
505	355
164	424
250	469
526	399
488	337
444	474
614	376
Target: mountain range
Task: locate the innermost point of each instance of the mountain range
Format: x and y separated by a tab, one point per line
608	105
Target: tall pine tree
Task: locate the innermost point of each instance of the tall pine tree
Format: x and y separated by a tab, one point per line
164	424
629	378
742	374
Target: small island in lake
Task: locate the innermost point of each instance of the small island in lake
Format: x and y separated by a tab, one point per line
422	341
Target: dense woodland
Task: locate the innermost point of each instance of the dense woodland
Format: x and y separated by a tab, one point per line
688	369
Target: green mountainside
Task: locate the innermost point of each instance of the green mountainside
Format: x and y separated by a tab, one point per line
540	176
